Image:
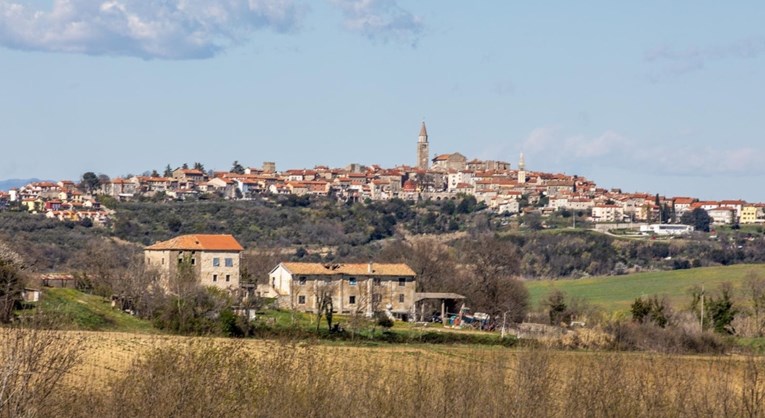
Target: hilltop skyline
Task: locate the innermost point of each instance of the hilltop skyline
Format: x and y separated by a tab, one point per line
651	97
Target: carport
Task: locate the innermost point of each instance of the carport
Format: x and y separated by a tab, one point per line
420	300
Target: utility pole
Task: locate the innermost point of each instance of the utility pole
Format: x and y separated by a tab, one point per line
504	316
702	308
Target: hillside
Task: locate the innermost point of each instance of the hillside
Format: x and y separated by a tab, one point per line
15	183
80	311
618	292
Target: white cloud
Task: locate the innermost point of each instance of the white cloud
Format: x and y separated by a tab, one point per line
550	147
707	161
553	145
671	62
380	19
165	29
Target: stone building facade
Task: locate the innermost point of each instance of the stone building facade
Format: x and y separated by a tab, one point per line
213	259
365	288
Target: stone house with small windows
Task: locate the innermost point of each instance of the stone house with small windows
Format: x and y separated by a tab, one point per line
214	259
365	288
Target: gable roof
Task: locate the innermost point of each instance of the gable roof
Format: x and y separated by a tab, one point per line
201	242
360	269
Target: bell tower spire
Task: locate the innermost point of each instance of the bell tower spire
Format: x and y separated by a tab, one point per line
423	148
521	170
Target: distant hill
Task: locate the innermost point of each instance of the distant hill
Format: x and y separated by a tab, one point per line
6	185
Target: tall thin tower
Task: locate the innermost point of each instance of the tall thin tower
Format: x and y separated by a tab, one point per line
522	170
423	148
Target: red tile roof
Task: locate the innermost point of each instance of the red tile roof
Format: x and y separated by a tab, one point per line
201	242
361	269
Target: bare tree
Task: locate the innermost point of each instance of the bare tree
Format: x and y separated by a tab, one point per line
324	292
432	261
33	362
754	288
137	288
492	266
11	282
258	263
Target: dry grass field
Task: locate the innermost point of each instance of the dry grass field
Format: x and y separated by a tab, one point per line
122	374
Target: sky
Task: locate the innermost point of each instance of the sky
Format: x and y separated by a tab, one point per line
652	96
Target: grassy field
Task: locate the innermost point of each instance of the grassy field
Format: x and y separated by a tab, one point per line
120	374
616	293
88	312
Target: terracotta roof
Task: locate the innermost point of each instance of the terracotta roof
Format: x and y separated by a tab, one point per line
361	269
683	200
199	242
192	171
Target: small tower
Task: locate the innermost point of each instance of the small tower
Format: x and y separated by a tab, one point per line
521	170
423	148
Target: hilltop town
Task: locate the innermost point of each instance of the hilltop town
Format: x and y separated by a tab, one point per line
496	184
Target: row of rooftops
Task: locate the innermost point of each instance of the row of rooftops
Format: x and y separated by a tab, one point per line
374	182
227	243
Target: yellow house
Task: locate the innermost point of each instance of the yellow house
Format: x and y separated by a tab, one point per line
748	215
32	204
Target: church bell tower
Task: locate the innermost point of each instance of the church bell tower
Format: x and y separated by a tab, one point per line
423	148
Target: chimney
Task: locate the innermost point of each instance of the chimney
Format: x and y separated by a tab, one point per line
369	268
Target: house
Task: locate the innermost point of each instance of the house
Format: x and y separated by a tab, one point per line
189	175
226	187
365	288
213	259
722	215
607	213
446	162
737	205
666	229
749	215
682	204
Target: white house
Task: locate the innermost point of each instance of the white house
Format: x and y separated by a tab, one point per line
666	229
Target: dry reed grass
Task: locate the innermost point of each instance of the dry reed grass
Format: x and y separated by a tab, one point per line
147	376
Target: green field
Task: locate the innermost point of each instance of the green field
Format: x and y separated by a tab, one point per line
81	311
616	293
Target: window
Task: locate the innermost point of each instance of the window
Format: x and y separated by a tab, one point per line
352	300
215	277
352	281
301	300
378	281
401	281
216	262
301	281
180	261
228	279
229	262
401	298
193	261
163	261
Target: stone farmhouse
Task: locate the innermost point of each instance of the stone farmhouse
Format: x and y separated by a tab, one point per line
214	259
365	288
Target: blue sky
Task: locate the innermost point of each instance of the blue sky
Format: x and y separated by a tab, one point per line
653	96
